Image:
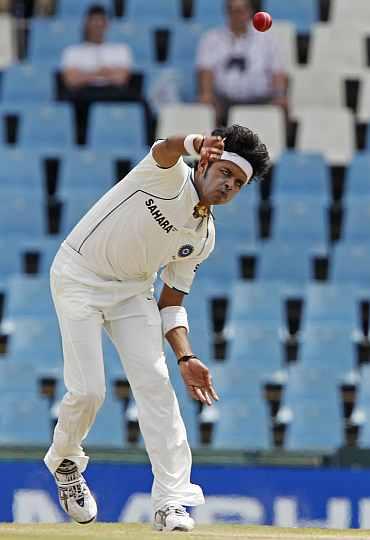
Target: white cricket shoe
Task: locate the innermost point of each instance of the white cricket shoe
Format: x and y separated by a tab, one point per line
74	495
173	517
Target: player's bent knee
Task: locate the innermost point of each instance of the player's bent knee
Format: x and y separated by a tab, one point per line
92	399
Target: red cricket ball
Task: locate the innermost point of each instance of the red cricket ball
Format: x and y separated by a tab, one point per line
262	21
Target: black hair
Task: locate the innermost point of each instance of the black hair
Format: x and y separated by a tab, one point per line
246	143
94	9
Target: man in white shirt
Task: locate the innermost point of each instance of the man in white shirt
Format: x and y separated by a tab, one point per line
239	65
158	217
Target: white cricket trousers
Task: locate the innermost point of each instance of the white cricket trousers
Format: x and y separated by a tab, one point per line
83	307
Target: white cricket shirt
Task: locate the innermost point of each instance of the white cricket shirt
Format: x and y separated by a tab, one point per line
142	224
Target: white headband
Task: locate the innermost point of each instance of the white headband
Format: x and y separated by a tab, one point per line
244	164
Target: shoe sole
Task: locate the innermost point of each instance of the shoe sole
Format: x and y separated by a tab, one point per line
86	522
161	528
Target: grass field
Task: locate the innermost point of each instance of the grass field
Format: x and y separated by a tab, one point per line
144	532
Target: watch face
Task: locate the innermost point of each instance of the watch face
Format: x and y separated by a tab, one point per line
186	250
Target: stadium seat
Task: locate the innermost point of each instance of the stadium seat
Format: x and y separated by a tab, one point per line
256	302
183	43
307	89
116	126
362	408
48	128
83	169
22	212
109	429
27	83
161	12
75	207
285	36
236	222
49	38
363	108
351	264
308	216
209	12
24	420
71	8
330	302
10	244
356	184
28	296
164	85
185	118
330	49
303	13
356	221
45	247
15	175
301	174
220	269
138	36
7	41
335	139
242	424
328	346
342	11
267	121
17	378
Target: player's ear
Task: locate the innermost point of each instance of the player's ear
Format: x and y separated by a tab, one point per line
202	166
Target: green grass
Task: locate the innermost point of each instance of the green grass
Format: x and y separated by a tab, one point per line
130	531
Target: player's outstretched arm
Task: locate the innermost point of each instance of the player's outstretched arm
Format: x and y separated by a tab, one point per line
167	152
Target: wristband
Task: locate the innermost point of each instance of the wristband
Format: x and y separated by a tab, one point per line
186	358
189	144
173	317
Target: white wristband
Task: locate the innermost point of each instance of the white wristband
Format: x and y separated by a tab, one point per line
173	317
189	144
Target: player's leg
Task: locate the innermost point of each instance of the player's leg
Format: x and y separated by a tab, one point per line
80	328
138	338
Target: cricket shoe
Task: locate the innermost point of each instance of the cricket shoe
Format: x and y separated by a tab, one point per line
74	495
173	517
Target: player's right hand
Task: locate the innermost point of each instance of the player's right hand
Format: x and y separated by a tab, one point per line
212	148
198	381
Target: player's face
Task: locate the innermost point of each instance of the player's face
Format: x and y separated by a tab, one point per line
220	182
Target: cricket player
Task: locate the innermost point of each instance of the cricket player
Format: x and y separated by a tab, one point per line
158	217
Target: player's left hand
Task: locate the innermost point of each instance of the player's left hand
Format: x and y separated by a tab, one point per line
212	148
198	381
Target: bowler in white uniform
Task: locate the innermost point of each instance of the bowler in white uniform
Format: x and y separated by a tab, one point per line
158	217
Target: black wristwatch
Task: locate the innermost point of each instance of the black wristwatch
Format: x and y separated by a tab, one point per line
186	358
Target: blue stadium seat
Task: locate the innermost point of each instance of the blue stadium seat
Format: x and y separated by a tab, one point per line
139	37
302	221
209	12
243	424
17	378
183	44
22	212
334	303
168	84
117	126
46	247
163	12
357	184
351	264
328	346
14	173
363	406
28	296
286	261
24	420
256	302
83	169
356	221
301	174
50	127
75	207
71	8
217	273
303	13
48	39
108	430
10	244
29	83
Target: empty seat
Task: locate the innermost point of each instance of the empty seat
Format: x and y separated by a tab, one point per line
307	89
219	269
357	184
48	127
267	121
363	109
356	221
11	263
44	248
335	139
24	420
22	212
85	170
17	378
237	221
303	13
75	207
209	12
164	84
160	12
139	37
351	264
70	8
301	174
342	11
185	118
27	83
28	296
49	38
256	302
183	44
108	430
117	126
35	339
285	34
15	175
7	41
302	221
335	303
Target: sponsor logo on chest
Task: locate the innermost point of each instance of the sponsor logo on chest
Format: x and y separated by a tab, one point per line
159	217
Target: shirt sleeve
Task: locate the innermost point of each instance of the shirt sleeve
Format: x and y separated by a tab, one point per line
70	57
180	274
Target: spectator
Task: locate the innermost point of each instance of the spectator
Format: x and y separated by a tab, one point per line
238	65
96	70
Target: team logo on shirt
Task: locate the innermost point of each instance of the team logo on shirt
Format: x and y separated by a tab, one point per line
185	251
159	217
